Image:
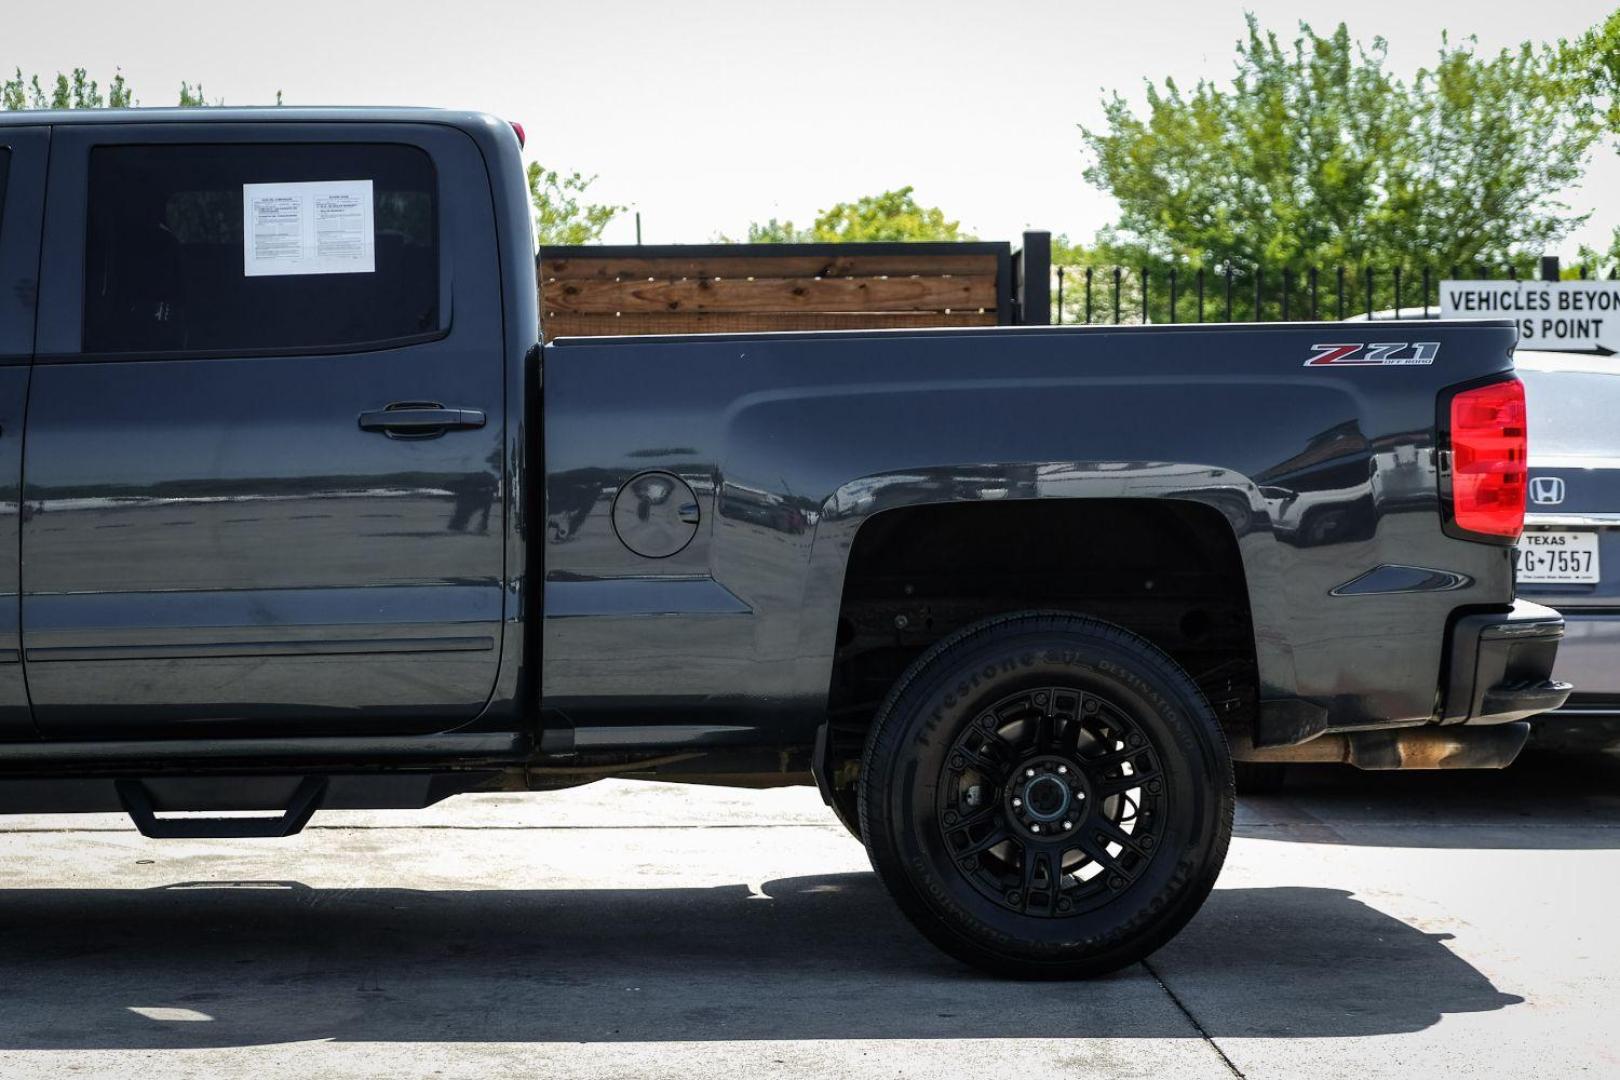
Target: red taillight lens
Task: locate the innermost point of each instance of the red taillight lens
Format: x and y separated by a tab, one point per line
517	129
1488	451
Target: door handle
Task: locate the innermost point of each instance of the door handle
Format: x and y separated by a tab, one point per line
419	420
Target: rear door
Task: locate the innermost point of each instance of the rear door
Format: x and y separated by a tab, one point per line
264	482
22	196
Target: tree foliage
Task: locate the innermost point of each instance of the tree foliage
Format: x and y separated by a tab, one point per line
1594	61
561	214
772	232
1605	264
75	91
1316	154
890	215
79	91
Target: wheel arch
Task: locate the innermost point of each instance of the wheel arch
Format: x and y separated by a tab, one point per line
1181	555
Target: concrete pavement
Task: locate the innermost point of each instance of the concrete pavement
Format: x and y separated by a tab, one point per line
1367	926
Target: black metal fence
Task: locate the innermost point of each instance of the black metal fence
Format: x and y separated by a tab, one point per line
1232	293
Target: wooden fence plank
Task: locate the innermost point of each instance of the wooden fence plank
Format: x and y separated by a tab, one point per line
742	322
769	294
665	268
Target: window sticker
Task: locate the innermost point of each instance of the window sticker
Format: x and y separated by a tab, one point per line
315	227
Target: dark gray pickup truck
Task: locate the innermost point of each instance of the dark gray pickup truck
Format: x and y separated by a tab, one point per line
300	515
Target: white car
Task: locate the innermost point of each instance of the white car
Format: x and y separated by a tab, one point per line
1569	556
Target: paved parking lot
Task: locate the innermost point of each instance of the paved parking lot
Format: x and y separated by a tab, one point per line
1401	925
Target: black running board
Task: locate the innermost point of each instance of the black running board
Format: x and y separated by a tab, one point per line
361	749
200	792
137	800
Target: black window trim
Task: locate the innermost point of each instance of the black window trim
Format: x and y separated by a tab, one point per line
348	348
13	158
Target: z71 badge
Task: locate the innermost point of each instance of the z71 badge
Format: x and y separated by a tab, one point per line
1375	354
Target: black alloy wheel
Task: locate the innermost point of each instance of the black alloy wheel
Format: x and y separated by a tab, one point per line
1052	802
1047	795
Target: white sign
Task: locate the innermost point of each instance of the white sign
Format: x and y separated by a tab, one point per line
1573	315
319	227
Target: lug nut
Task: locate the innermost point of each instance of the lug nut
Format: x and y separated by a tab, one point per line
1155	787
1012	897
1146	841
1029	772
957	762
1063	769
1116	883
1034	828
1068	825
1018	802
950	817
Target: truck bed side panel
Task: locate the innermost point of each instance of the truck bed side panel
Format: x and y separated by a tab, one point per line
791	442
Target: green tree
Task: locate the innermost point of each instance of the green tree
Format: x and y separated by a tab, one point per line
79	91
1593	60
1604	264
75	91
1317	155
891	215
561	216
774	232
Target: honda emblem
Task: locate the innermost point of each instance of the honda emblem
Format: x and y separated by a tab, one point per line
1547	490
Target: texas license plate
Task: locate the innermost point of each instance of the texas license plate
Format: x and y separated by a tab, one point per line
1560	558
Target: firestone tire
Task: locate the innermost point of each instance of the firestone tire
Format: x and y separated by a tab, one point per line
1046	795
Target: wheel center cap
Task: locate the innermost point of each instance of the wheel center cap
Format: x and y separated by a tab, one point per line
1046	798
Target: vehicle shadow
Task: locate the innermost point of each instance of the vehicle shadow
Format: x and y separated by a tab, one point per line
211	964
1544	801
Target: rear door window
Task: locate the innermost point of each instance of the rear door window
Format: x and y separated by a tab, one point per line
229	249
5	170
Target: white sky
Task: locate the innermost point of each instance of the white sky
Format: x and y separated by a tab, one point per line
706	114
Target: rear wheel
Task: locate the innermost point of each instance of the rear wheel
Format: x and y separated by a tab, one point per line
1047	796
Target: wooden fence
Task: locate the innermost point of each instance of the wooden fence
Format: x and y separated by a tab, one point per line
690	289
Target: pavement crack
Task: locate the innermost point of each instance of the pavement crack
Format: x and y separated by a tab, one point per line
1193	1020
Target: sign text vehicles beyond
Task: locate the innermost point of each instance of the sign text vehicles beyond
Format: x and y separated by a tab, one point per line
1576	316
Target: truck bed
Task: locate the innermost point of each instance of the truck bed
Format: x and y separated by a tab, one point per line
792	443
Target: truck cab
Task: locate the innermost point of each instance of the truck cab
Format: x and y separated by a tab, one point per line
216	547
